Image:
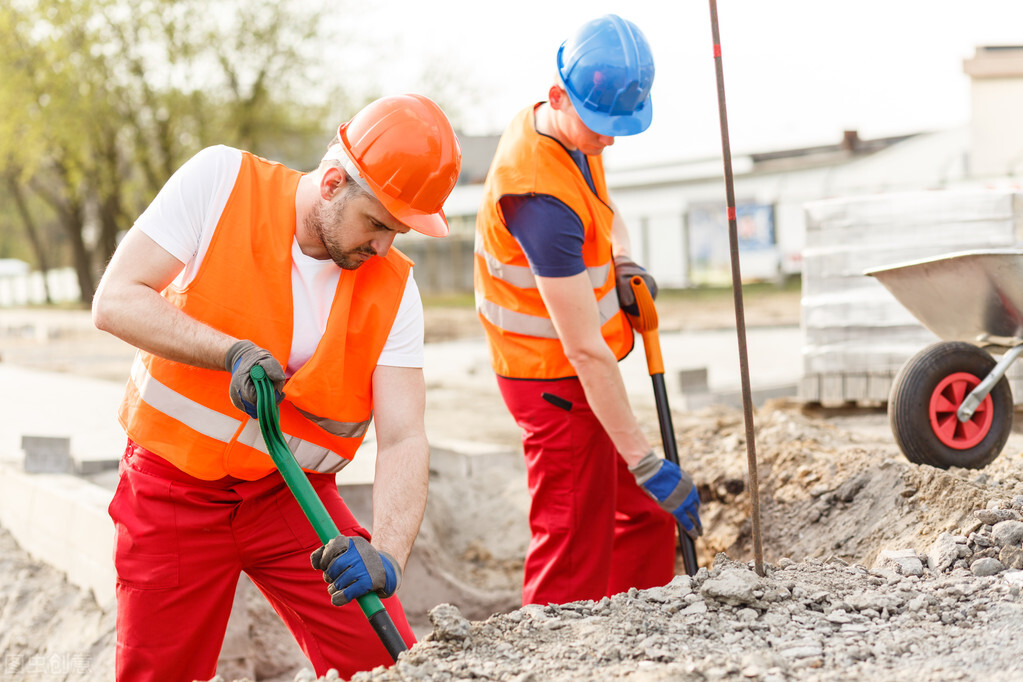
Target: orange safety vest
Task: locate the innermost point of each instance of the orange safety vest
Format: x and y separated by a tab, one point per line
243	288
523	341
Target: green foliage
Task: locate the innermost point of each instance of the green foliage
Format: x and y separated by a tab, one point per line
101	100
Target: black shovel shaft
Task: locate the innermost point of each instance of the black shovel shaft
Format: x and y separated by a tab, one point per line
671	454
664	418
387	632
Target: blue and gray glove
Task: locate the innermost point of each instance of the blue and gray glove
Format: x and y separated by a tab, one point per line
240	359
672	488
625	270
353	567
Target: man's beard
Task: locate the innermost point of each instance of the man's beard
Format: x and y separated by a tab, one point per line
332	213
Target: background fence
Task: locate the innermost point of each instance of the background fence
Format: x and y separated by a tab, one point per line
29	288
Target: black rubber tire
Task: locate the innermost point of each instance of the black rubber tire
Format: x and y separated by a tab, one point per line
909	400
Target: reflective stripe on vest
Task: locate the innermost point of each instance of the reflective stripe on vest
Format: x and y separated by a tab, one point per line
520	333
184	413
533	325
522	277
213	424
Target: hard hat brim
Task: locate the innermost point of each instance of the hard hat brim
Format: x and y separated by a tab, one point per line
430	224
612	125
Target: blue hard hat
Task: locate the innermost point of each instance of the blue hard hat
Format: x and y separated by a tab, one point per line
607	69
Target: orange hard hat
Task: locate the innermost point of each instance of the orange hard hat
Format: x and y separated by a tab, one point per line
406	151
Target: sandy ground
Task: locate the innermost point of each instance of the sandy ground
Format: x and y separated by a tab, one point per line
872	565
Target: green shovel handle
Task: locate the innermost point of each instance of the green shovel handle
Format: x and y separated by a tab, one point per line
312	506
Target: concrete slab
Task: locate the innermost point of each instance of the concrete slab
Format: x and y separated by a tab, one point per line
59	405
84	410
47	454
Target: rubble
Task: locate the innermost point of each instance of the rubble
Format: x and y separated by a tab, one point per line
874	567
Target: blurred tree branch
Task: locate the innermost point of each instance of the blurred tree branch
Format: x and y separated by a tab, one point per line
103	99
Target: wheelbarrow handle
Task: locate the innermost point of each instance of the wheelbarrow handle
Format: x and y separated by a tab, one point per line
312	506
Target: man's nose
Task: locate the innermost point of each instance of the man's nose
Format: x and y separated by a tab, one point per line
607	140
383	244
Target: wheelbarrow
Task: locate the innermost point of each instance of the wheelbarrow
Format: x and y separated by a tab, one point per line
950	404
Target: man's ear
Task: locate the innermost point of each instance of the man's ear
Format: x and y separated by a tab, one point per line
558	98
332	181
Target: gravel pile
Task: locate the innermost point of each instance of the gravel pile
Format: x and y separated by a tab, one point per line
874	568
809	620
904	573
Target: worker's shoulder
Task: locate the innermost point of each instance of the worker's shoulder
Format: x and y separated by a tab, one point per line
218	151
215	155
214	161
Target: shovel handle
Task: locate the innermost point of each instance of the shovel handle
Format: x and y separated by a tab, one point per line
645	322
686	543
312	506
645	319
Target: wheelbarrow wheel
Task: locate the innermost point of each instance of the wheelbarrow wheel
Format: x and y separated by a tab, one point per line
924	398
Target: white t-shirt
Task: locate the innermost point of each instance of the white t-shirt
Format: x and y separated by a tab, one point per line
183	217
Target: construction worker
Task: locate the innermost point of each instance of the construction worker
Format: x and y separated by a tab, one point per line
238	262
551	249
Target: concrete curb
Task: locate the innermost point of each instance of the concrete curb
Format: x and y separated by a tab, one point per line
62	520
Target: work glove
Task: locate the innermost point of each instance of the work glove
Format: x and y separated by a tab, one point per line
240	359
672	488
353	567
625	270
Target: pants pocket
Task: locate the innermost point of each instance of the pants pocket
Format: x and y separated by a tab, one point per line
145	542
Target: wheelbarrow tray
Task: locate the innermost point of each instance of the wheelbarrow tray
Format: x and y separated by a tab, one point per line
973	296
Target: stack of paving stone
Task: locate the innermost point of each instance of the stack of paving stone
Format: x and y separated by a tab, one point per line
856	335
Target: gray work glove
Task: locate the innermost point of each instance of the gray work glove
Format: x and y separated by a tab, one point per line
625	270
353	567
240	359
672	488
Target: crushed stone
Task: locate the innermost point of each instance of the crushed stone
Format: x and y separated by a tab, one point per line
874	566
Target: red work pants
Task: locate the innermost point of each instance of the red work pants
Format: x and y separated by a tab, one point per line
594	531
181	546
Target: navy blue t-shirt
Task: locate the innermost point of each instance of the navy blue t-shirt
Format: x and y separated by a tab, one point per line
549	232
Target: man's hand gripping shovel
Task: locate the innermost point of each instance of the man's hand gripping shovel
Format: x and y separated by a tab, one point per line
646	324
326	530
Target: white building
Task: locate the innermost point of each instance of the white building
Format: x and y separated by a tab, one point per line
677	210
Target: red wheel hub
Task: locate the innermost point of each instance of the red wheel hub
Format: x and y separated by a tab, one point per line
948	395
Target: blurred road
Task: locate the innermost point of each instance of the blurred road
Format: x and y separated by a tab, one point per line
61	377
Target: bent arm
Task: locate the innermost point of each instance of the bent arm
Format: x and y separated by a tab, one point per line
128	305
621	244
573	310
403	459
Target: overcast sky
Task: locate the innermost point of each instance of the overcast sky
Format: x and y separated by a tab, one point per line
797	72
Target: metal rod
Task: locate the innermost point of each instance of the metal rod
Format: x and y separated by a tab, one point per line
977	395
740	320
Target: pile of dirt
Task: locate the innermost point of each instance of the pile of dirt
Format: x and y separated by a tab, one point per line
808	620
830	485
873	566
49	628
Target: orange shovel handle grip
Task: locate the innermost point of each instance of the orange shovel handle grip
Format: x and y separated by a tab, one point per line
646	324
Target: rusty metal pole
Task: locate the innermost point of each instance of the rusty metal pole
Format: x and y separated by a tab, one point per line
740	318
